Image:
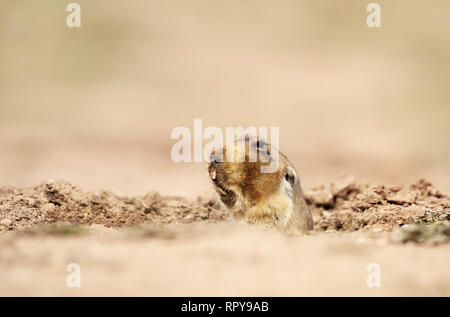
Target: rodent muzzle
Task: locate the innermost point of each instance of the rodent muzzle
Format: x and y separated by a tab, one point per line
212	167
219	180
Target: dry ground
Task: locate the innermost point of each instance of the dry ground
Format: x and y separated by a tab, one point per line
154	245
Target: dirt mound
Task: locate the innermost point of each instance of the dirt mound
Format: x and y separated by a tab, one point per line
60	201
344	205
348	206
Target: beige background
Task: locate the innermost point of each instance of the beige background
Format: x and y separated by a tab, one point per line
96	105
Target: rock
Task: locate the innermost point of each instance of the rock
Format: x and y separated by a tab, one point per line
6	222
371	198
49	207
402	197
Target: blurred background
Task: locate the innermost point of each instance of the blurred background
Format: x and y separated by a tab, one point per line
96	105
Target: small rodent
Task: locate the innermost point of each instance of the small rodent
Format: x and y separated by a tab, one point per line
275	200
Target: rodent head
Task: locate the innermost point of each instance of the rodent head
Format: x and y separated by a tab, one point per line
236	172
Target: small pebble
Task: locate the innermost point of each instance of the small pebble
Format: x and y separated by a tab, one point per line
6	222
49	207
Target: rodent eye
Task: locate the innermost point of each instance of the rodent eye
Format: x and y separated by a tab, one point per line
262	148
290	178
260	144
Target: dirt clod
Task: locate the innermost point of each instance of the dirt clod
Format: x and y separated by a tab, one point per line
344	205
350	206
62	202
6	222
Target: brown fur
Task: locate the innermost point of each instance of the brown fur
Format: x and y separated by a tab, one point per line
257	197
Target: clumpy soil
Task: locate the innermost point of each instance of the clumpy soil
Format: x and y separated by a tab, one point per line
62	202
344	205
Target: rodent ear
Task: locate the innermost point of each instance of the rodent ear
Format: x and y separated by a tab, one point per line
261	145
290	175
